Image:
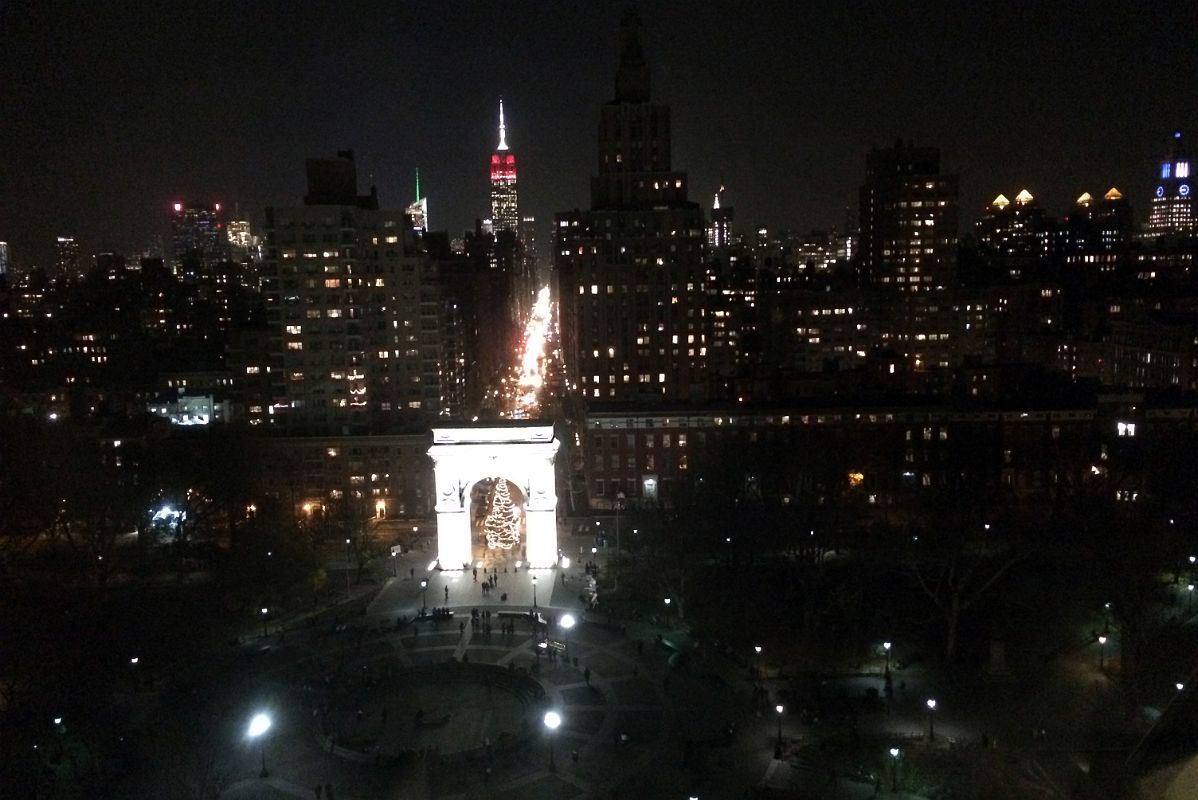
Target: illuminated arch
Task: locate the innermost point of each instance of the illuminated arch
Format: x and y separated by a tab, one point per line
521	453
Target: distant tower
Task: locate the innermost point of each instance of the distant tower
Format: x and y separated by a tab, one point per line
197	236
4	258
908	220
66	258
719	233
418	210
1172	211
505	213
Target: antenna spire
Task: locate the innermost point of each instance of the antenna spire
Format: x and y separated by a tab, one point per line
502	128
417	184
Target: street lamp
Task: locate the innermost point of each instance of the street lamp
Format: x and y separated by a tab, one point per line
552	721
1101	653
394	566
265	611
567	622
424	597
931	719
534	591
347	568
894	765
667	602
1189	598
886	647
616	572
259	725
778	747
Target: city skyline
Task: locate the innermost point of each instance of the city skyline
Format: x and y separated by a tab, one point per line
1035	97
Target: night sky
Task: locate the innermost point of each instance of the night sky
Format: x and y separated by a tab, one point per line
112	111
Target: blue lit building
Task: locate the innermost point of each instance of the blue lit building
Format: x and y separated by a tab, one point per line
1172	210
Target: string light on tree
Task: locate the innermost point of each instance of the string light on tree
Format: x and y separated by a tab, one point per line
502	526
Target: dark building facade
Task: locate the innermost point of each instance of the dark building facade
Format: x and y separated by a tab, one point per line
908	219
355	312
630	269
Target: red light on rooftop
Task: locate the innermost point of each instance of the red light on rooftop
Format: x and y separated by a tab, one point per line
178	206
495	159
218	206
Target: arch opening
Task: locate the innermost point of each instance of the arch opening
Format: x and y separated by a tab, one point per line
498	521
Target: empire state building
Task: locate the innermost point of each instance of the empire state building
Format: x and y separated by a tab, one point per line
505	214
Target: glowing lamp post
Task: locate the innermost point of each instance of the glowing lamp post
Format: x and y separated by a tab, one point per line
778	745
886	647
423	597
931	719
1101	653
534	591
616	574
1189	598
552	721
347	568
894	765
567	622
259	725
265	612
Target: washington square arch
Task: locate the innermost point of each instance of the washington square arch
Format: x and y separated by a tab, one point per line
496	493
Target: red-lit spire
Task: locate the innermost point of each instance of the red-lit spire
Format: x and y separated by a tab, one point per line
502	128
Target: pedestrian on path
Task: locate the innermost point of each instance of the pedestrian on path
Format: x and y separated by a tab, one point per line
447	594
586	675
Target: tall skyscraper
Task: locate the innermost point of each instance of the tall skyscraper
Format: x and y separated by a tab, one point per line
1172	210
908	220
5	259
66	258
719	233
197	236
1014	239
354	308
418	209
630	269
505	212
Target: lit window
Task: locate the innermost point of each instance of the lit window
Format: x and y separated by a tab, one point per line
1183	169
1165	170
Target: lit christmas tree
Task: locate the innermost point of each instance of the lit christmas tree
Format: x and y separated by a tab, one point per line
502	525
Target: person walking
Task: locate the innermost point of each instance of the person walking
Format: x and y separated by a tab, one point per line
446	594
586	675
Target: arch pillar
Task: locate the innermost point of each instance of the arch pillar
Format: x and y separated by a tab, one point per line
521	453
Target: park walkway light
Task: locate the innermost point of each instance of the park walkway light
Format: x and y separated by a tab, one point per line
259	724
552	721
